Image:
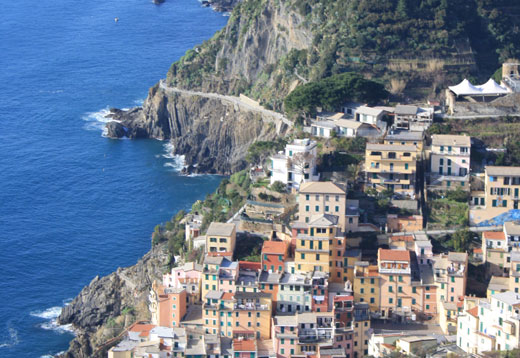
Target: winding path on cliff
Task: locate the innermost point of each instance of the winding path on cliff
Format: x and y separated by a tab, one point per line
230	99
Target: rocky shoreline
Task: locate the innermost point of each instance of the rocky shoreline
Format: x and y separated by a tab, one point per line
213	135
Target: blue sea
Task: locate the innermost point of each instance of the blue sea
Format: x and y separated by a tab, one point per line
74	204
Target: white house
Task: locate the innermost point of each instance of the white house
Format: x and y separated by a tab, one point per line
491	325
373	116
323	128
296	165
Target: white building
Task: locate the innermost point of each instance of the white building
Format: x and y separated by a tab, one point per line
373	116
323	129
450	162
297	165
491	325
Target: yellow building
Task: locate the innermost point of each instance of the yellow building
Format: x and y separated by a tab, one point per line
253	313
350	258
221	237
317	198
391	167
404	137
501	194
312	247
217	313
366	285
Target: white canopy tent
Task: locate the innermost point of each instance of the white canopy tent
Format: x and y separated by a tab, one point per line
465	88
490	88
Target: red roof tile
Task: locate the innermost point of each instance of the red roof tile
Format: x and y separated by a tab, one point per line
477	250
394	255
402	238
274	247
228	296
248	265
473	311
494	235
244	345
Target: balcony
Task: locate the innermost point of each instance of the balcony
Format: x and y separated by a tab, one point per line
252	307
395	270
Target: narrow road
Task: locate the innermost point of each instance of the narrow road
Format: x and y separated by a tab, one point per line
476	116
231	99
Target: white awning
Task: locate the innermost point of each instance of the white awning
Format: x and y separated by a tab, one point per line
465	88
491	87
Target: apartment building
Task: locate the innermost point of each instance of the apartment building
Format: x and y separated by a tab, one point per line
317	198
501	194
218	274
296	165
320	248
394	267
167	305
405	137
253	313
497	247
492	325
366	285
274	254
221	237
187	277
294	294
450	162
391	167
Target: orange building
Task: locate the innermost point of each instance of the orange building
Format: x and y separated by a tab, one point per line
253	313
167	305
274	254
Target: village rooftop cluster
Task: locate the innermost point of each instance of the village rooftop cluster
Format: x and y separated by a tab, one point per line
316	291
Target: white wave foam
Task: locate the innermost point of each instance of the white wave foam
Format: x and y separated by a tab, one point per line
96	121
168	148
54	326
49	313
51	323
139	102
178	162
13	339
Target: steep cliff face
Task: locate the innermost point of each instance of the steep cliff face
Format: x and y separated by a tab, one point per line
212	133
108	298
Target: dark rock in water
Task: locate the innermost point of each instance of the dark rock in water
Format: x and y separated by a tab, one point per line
116	130
206	4
158	2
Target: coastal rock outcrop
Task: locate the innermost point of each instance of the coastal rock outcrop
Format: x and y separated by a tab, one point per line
213	134
107	298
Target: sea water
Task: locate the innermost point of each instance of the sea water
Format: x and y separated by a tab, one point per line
74	204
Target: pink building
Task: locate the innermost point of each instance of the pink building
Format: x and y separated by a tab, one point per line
285	336
187	277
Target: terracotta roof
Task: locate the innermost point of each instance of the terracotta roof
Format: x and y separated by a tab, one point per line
274	247
244	345
394	255
402	238
477	250
144	329
343	298
318	187
494	235
227	296
473	311
248	265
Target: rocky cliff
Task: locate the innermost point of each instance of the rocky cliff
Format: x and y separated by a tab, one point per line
107	304
212	133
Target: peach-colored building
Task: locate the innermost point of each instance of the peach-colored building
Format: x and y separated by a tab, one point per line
398	223
253	313
245	348
167	305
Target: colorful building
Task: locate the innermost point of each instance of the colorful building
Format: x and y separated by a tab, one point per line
391	167
221	237
450	162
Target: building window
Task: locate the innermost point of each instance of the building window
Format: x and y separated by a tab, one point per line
307	197
307	208
317	208
336	208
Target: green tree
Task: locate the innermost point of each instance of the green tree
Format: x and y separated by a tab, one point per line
461	240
